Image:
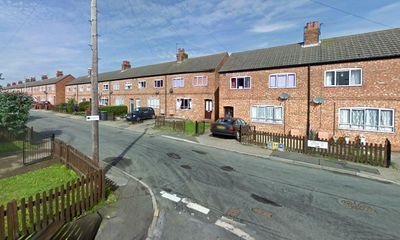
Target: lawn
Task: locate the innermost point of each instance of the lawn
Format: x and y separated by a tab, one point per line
10	146
190	127
28	184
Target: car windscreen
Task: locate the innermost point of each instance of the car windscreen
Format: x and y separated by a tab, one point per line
225	121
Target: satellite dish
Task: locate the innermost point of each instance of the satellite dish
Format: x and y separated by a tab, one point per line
318	100
284	96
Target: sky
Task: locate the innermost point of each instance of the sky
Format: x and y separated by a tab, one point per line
42	36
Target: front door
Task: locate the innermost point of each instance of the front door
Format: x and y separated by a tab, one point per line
228	112
131	105
208	107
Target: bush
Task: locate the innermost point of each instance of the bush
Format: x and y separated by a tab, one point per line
117	110
14	110
70	105
83	106
62	107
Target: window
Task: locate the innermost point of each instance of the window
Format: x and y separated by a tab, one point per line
178	82
240	83
105	87
142	84
128	85
200	81
88	88
282	80
367	119
267	114
116	86
183	103
103	101
158	83
153	102
119	101
343	77
80	88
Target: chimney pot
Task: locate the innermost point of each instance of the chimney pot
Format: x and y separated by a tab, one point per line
44	77
181	55
20	82
311	33
8	84
14	83
59	73
27	80
125	65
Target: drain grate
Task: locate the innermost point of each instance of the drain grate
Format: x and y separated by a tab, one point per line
351	204
199	152
186	167
174	155
228	168
261	212
264	200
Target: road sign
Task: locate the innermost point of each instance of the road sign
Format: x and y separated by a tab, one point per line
93	118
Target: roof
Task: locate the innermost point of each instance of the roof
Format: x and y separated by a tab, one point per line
198	64
39	83
372	45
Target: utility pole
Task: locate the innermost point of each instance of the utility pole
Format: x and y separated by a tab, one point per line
94	81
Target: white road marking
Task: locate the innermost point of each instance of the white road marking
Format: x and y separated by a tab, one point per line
238	232
196	206
179	139
169	196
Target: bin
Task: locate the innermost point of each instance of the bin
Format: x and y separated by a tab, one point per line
103	116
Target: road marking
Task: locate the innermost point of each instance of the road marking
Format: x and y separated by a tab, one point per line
179	139
196	206
169	196
229	227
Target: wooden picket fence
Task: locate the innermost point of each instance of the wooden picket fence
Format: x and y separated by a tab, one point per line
177	125
57	206
369	153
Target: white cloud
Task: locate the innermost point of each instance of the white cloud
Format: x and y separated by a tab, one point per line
266	28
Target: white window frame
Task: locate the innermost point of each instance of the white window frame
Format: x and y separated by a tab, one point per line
153	102
190	102
115	86
236	88
204	80
106	87
267	121
342	70
181	80
142	84
103	99
88	88
128	86
287	78
158	80
81	88
119	101
364	127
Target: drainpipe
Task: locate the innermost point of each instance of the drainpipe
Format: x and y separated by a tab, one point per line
165	95
308	100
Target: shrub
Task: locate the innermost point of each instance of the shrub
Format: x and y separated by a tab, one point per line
62	107
70	105
14	110
83	106
117	110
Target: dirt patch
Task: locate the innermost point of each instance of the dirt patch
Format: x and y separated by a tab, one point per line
355	205
261	212
233	212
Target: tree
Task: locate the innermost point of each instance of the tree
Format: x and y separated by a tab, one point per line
14	110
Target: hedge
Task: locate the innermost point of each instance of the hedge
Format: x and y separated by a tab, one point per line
83	106
117	110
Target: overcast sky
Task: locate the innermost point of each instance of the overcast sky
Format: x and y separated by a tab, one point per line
41	36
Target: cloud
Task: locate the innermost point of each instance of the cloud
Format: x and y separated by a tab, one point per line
267	28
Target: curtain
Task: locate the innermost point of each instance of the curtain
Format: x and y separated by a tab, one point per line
330	78
261	113
281	83
278	114
357	117
254	113
355	77
233	82
190	103
269	113
371	119
291	80
272	81
246	82
386	120
178	103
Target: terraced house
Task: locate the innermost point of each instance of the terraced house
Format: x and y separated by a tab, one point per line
338	87
185	88
46	89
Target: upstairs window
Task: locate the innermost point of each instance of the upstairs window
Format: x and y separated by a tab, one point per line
158	83
80	88
128	85
344	77
116	86
367	119
240	83
142	84
178	82
282	80
200	81
88	88
105	87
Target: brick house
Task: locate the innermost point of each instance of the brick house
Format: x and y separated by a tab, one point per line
338	87
46	89
185	88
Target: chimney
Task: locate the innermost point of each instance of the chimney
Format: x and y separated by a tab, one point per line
59	73
14	83
181	55
44	77
8	84
125	65
20	82
311	34
27	80
89	72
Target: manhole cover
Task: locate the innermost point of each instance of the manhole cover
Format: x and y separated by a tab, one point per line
261	212
356	205
173	155
233	212
227	168
199	152
186	166
264	200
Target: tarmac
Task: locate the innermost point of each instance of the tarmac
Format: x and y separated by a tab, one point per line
137	207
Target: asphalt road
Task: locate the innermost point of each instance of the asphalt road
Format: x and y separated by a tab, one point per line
269	200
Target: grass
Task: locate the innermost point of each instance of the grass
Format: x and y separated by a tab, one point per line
190	127
28	184
10	146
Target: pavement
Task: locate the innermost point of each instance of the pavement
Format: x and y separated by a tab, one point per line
137	208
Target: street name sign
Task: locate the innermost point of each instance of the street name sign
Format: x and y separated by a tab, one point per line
93	118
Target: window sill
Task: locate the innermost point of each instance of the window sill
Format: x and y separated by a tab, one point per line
273	123
337	86
364	130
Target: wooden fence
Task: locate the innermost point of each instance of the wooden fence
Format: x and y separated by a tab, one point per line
59	205
177	125
373	154
180	125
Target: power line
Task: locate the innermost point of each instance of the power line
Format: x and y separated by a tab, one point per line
351	14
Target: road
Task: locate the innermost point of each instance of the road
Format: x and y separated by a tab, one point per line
267	199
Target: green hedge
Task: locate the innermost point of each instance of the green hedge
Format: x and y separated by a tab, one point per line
117	110
83	106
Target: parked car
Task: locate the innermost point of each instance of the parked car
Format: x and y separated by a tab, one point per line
227	127
141	113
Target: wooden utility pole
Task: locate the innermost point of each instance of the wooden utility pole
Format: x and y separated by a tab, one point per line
94	81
